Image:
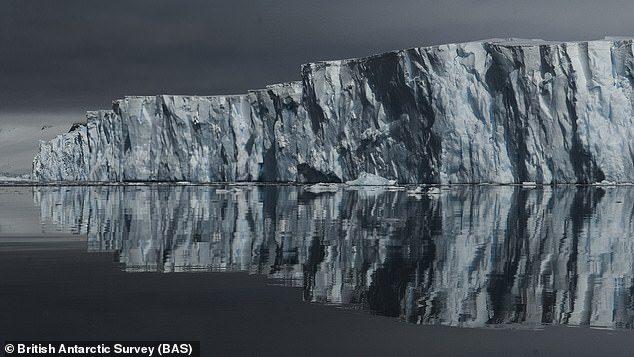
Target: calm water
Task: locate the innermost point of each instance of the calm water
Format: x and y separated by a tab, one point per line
465	256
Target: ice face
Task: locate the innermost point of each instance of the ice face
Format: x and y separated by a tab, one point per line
498	111
63	158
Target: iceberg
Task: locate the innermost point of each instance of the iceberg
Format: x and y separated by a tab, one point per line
366	179
494	111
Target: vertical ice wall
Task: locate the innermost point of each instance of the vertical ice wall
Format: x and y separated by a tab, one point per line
493	111
499	111
64	158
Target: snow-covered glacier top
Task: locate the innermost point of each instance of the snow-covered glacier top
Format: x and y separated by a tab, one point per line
497	110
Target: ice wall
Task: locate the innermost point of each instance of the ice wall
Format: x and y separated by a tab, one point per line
499	111
64	158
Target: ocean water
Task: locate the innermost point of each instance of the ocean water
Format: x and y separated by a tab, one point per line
465	256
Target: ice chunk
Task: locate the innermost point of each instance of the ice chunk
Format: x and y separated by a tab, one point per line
322	187
367	179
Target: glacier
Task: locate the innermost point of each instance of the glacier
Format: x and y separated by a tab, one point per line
492	111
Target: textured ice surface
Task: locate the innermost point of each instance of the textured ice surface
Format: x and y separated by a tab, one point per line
63	158
498	111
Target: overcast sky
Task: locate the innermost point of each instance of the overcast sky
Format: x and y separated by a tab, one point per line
75	55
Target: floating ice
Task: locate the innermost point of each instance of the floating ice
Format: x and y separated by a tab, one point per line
322	187
434	191
367	179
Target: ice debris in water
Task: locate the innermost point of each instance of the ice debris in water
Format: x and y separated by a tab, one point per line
416	192
232	190
368	179
322	188
434	191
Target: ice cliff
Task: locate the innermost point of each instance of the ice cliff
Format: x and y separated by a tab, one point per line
499	111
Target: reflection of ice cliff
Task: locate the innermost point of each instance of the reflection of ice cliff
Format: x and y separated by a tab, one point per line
469	256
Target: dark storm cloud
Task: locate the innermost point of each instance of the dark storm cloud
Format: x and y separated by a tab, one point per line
80	54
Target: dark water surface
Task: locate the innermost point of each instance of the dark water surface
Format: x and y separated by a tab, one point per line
88	262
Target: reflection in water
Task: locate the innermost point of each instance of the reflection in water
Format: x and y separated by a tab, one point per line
470	256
